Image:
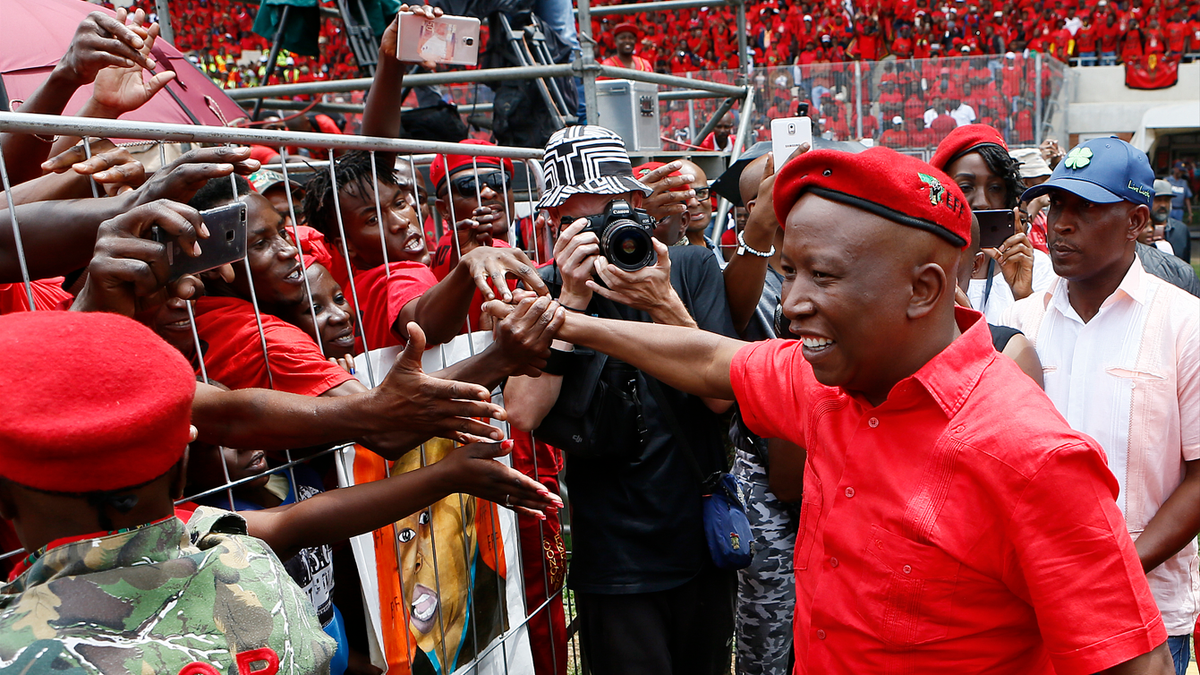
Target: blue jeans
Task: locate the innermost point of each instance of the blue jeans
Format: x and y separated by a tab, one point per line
1108	58
558	16
1180	654
1087	59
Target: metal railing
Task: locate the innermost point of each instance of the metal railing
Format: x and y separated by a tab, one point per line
512	635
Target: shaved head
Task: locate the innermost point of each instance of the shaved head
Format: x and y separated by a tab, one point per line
751	177
872	299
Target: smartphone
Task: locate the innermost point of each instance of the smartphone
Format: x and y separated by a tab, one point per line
787	133
446	39
226	241
995	227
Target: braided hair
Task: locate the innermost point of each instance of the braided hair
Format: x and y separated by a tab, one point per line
354	177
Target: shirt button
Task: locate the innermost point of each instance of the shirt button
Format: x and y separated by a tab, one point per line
833	562
873	422
820	634
908	569
849	492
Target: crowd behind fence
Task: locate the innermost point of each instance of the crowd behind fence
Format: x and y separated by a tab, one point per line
511	639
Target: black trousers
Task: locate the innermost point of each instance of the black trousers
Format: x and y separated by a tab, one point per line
686	630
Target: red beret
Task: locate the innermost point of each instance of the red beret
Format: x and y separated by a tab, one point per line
438	170
881	181
963	140
92	401
626	28
312	244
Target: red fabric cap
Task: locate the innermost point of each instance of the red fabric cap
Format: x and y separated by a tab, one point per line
880	181
438	170
963	140
626	28
312	244
93	401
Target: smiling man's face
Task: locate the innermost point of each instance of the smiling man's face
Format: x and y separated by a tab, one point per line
401	228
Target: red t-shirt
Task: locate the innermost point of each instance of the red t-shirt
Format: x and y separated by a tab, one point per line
47	295
383	292
939	532
234	356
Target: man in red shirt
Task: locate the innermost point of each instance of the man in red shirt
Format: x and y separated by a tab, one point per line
941	530
626	36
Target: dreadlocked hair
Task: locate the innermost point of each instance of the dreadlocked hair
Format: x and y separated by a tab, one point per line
353	171
1007	169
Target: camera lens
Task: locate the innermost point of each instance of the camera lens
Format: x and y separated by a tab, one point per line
627	245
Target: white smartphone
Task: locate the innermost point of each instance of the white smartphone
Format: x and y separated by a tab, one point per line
787	133
446	39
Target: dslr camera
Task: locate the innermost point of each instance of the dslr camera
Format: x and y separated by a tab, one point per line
625	235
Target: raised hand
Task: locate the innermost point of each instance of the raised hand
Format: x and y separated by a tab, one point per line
523	336
121	89
490	267
387	43
182	179
431	406
101	41
472	469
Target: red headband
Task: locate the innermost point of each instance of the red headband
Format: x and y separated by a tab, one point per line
881	181
312	244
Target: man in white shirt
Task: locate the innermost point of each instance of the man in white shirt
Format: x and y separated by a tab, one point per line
1120	349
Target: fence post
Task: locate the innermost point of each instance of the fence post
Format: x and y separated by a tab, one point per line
587	57
1037	98
858	99
743	47
691	115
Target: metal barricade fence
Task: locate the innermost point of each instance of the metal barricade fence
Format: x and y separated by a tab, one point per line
511	639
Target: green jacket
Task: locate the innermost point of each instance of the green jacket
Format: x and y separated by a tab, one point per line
160	598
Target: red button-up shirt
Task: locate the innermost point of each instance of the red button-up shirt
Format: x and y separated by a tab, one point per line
961	526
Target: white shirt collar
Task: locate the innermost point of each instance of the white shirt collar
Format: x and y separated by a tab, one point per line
1132	286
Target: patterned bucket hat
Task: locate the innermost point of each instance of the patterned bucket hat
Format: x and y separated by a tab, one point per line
586	159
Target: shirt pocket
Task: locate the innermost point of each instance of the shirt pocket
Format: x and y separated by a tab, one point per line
810	513
908	588
1138	378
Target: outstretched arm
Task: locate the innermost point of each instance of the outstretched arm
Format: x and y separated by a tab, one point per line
688	359
348	512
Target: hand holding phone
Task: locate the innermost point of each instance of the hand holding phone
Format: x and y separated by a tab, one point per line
424	38
226	242
995	227
787	134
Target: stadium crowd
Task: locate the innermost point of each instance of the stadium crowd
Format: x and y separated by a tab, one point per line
952	450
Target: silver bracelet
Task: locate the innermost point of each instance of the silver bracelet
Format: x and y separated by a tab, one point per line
743	247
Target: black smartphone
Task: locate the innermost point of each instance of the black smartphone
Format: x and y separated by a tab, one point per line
995	227
226	241
802	109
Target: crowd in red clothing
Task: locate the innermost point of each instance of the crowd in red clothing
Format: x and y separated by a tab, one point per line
817	31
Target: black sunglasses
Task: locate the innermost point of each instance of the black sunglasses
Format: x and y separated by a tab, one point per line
467	185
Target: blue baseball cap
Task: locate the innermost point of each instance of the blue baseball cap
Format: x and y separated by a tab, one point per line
1103	171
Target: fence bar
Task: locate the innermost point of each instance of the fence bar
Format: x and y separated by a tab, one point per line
686	94
85	126
469	76
587	62
671	81
1037	98
858	99
663	6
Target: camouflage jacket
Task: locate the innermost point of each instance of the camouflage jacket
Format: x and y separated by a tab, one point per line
166	599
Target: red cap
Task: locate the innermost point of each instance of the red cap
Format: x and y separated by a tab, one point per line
92	401
881	181
312	244
626	28
438	170
964	139
640	171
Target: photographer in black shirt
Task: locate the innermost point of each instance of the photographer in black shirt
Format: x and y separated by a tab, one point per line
650	599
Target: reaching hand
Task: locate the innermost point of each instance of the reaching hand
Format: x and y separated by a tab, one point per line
667	199
523	337
431	406
471	469
489	267
110	166
101	41
120	89
182	179
129	273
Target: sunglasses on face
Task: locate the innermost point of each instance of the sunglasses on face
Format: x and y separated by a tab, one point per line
467	185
